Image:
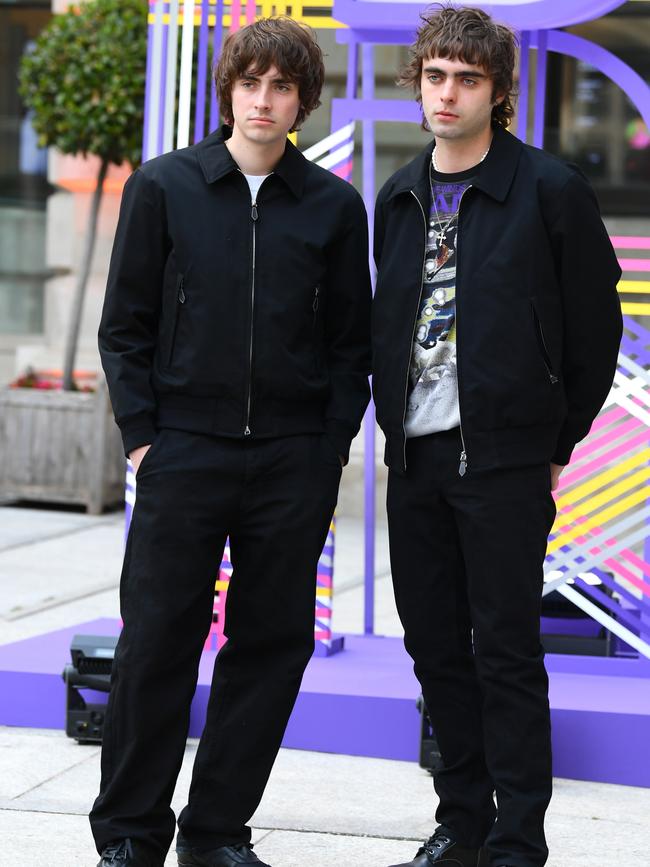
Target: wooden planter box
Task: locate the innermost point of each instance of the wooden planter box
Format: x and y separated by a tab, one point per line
60	446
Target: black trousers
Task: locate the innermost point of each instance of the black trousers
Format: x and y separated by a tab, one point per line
275	499
467	558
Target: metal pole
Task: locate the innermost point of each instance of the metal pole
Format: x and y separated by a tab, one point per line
540	89
368	161
524	78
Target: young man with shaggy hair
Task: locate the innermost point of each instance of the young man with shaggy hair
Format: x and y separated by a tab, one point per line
236	343
496	327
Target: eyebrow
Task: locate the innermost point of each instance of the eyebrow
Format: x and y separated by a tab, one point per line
279	79
463	73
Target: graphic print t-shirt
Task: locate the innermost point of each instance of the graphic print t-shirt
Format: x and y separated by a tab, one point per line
433	385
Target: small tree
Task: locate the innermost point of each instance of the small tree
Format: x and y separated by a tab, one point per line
85	82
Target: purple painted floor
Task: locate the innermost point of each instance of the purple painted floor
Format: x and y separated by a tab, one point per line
362	702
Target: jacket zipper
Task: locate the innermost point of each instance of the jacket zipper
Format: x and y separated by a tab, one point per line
415	324
314	305
462	466
180	299
254	216
546	358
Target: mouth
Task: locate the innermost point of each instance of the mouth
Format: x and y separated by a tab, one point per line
446	115
263	120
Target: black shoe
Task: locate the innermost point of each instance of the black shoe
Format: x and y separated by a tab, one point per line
224	856
124	853
442	850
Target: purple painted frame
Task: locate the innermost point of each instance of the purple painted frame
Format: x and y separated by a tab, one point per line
404	16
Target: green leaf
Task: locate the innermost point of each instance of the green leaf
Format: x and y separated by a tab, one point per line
85	79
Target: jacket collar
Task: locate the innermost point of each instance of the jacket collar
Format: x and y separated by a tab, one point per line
216	161
495	178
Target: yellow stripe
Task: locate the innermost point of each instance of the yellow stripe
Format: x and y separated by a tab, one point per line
635	309
221	585
637	286
324	591
324	22
602	479
598	520
614	491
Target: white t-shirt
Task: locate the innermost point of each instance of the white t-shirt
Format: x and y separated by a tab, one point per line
255	182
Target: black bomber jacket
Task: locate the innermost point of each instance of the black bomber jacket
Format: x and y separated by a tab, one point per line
538	319
236	320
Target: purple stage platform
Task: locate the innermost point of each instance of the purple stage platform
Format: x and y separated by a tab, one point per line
362	702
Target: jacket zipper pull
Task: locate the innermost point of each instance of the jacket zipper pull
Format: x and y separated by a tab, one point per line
247	431
462	469
314	306
254	214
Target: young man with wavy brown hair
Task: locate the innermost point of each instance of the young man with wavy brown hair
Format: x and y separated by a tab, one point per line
496	327
236	343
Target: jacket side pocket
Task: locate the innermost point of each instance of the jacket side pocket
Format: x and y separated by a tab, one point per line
180	300
546	358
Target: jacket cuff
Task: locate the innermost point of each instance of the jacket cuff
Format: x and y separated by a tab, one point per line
563	449
136	432
340	435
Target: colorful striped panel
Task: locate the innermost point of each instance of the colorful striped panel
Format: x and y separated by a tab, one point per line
601	530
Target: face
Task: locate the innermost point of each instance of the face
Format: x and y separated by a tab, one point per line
264	106
456	98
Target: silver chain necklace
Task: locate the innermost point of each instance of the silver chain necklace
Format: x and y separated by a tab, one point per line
435	164
441	234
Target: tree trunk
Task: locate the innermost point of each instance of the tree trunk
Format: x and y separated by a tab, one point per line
72	339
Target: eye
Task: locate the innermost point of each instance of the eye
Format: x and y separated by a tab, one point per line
433	78
469	82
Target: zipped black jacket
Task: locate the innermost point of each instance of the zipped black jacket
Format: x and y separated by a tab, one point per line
538	319
226	319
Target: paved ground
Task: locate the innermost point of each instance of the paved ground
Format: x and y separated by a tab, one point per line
58	568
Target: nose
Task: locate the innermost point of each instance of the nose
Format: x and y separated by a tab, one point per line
448	91
263	97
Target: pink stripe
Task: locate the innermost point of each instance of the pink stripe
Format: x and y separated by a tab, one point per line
322	635
629	576
606	418
595	443
613	564
634	264
343	171
630	242
591	467
251	9
235	13
631	557
324	580
324	613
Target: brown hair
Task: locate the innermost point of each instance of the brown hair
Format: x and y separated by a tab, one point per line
280	42
469	35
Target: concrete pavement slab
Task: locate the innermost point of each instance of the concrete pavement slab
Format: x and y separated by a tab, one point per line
625	805
24	526
33	839
296	849
348	795
341	797
349	557
39	574
31	757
